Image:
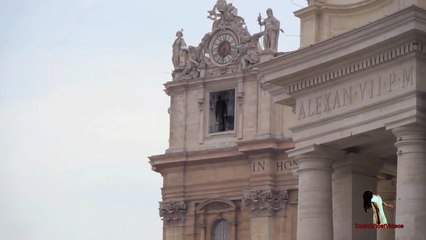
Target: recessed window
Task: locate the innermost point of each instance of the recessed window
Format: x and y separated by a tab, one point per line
221	230
222	111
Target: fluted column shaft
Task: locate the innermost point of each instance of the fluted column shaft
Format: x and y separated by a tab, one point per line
411	182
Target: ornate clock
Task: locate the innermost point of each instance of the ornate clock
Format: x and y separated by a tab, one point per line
223	47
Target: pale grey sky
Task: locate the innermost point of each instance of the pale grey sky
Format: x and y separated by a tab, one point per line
82	106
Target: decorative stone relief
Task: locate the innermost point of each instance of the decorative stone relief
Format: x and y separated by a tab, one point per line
249	51
173	213
265	203
366	63
227	49
226	16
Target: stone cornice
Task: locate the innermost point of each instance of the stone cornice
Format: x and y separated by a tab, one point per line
238	152
369	4
264	145
363	64
305	67
158	162
179	85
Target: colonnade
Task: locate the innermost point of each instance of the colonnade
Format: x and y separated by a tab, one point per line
318	194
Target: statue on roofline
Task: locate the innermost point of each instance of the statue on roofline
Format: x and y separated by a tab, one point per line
218	9
249	51
179	54
271	32
226	15
192	63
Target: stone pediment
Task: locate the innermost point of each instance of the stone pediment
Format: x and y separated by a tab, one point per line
216	205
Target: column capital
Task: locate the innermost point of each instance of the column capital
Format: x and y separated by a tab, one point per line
318	158
265	203
410	132
173	213
410	139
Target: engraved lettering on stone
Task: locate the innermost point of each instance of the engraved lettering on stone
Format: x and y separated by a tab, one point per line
336	100
347	96
362	87
258	166
392	79
301	114
327	102
407	78
286	165
355	94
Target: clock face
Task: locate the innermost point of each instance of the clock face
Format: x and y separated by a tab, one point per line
224	48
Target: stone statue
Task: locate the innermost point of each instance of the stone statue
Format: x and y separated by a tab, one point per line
202	50
225	15
249	51
271	32
179	54
219	7
192	63
231	15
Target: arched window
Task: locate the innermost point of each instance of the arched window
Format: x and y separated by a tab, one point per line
221	230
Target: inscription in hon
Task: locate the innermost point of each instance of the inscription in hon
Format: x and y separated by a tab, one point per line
355	93
286	165
281	165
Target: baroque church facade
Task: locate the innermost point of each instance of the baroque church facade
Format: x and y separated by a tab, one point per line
281	146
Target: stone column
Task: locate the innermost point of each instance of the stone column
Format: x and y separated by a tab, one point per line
173	216
263	206
315	219
411	182
352	176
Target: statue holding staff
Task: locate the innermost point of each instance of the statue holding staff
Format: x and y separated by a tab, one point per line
271	32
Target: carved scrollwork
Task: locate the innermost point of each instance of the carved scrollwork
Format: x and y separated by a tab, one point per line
265	202
173	213
227	49
216	206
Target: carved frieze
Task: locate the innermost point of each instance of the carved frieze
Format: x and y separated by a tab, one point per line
173	213
265	203
369	62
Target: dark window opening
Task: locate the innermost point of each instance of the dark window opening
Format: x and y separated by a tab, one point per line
222	109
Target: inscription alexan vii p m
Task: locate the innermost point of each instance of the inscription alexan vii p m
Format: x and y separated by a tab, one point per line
358	92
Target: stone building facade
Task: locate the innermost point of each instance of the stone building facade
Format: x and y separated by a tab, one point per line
268	146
